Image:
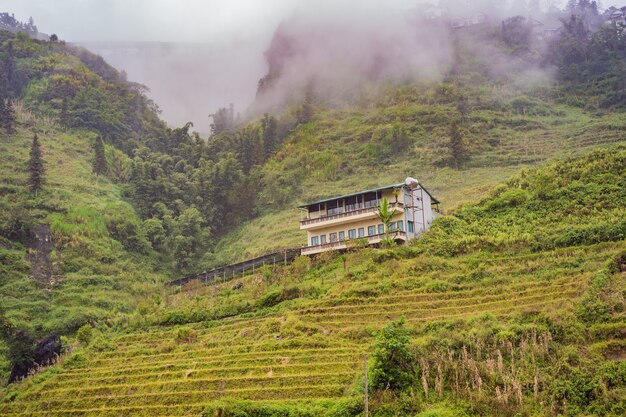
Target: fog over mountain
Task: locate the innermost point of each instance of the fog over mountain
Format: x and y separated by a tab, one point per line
196	56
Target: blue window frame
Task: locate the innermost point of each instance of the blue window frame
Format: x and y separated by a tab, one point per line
315	241
333	237
371	230
323	239
352	234
392	227
381	229
410	226
401	226
342	236
361	232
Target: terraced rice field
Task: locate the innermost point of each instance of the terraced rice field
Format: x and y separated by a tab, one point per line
151	374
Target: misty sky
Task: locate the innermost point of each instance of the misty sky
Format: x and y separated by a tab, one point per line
169	20
233	34
180	20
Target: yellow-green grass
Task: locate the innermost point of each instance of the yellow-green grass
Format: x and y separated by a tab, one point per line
151	373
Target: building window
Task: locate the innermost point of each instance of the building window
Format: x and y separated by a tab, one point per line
410	226
381	229
401	226
361	232
352	234
335	207
392	227
342	236
315	241
333	237
323	239
353	203
371	200
371	230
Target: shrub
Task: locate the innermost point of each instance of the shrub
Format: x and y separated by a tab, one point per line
84	334
102	344
185	335
392	360
124	226
77	360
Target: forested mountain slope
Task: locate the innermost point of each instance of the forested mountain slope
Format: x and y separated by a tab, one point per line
73	252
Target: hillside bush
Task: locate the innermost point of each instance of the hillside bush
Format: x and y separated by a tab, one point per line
84	334
123	225
185	335
392	364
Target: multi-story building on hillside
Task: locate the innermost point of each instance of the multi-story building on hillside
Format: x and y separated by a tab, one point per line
331	223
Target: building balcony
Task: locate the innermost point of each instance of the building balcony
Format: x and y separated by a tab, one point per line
398	236
346	217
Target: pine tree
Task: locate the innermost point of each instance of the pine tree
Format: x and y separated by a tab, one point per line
99	162
7	115
455	145
35	166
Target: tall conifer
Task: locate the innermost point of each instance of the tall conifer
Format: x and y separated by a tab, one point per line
35	166
7	115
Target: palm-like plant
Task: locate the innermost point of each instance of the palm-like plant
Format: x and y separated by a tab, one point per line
385	214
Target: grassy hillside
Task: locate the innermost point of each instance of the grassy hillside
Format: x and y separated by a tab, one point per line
98	269
514	304
343	151
74	253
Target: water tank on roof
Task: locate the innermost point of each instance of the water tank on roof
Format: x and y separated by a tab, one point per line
411	183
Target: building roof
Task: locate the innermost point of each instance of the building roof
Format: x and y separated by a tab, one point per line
373	190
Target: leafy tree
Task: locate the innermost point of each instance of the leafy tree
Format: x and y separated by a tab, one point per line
155	232
96	109
189	240
35	166
54	38
21	346
392	360
516	32
99	161
119	164
223	120
84	334
385	214
249	147
455	145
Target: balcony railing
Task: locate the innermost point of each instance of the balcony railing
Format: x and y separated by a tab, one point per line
340	244
351	213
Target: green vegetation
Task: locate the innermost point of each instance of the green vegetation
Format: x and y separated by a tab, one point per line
35	166
392	359
99	160
491	326
512	304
